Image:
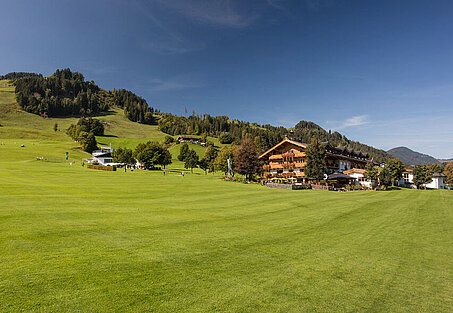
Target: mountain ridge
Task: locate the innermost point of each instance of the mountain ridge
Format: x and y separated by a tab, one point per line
411	157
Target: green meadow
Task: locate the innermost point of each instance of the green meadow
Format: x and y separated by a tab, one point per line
75	239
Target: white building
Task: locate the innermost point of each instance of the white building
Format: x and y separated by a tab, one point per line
102	156
438	181
408	178
358	174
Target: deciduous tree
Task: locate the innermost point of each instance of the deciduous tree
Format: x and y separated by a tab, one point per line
210	156
191	160
421	175
371	173
385	177
151	154
221	161
396	168
88	142
246	159
449	172
123	155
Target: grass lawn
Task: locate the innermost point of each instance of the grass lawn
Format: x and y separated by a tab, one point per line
74	239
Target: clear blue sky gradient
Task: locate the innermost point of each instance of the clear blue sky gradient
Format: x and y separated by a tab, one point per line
380	72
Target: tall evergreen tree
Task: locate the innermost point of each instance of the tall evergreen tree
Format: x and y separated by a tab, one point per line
315	167
183	151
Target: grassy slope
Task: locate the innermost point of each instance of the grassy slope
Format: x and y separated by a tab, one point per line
22	127
75	239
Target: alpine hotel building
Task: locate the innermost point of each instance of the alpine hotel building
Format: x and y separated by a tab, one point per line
287	160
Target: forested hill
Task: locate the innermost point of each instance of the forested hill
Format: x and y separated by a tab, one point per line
304	131
66	93
265	136
411	157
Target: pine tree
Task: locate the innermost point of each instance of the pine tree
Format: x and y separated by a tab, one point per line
183	151
315	167
210	156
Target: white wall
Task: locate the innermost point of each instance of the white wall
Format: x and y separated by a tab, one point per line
436	183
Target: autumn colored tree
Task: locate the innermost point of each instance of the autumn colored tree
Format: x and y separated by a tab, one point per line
449	172
246	159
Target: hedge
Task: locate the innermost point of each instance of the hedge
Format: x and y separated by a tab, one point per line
101	167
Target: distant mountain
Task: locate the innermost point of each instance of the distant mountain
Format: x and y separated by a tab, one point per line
411	157
446	161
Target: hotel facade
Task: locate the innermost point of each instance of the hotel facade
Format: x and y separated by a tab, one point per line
288	159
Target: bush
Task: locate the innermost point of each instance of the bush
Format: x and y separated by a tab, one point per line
102	167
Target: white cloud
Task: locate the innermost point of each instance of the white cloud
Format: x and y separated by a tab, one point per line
352	122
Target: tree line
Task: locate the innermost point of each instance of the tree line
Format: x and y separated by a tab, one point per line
17	75
135	108
264	136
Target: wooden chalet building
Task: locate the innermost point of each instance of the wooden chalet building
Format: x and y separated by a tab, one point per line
287	160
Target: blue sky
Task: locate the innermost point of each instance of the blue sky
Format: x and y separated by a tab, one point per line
380	72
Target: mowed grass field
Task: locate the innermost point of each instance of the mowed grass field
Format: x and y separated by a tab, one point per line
74	239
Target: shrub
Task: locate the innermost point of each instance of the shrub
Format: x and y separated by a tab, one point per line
102	167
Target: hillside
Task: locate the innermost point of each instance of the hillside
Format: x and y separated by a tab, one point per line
32	130
67	93
411	157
